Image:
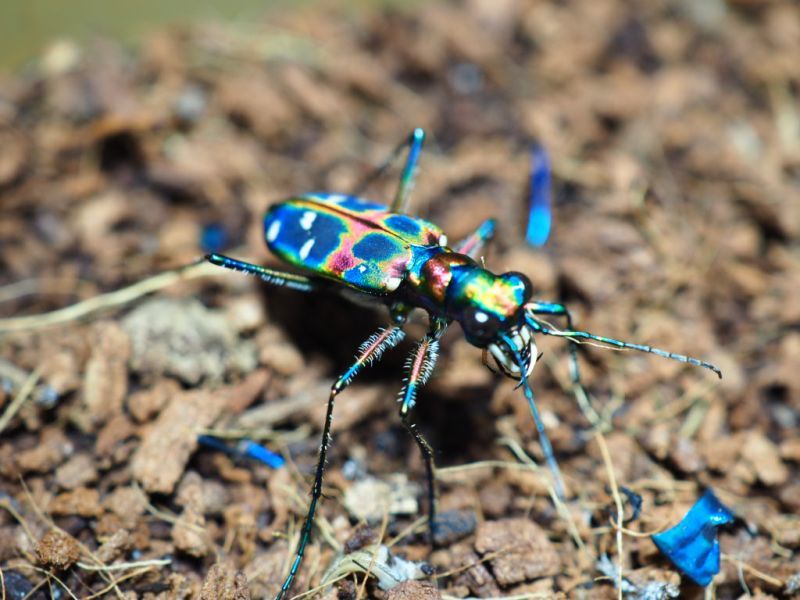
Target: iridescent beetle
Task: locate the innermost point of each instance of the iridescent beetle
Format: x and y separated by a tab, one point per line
379	253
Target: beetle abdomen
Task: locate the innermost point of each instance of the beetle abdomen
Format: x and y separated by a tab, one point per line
347	239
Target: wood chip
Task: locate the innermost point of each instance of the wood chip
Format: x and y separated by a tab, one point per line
167	445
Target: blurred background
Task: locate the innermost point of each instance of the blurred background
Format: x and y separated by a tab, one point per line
27	27
134	140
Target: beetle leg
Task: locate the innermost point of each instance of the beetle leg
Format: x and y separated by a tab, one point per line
579	391
369	352
475	242
414	143
271	276
544	439
419	367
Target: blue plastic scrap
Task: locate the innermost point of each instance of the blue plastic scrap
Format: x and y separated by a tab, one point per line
213	238
692	545
245	448
263	455
540	216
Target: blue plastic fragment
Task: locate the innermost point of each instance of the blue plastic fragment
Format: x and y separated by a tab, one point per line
540	215
260	453
635	500
245	448
213	238
692	545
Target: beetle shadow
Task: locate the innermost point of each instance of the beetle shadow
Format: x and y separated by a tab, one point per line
456	420
327	325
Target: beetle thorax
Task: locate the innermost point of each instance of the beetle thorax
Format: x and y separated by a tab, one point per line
433	277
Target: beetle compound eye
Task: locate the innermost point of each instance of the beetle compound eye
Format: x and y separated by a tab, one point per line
521	284
481	325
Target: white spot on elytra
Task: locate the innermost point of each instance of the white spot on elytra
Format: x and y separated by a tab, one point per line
481	317
443	241
307	219
362	269
305	249
393	283
272	232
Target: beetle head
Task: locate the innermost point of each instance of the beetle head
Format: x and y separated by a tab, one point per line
490	310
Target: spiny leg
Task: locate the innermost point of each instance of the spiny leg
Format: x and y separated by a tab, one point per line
271	276
370	351
539	327
581	395
419	367
474	243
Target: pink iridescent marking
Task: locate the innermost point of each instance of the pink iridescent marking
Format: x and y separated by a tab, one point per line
419	362
341	261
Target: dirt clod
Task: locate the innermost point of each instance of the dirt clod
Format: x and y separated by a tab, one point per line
114	546
105	383
84	502
765	459
186	340
77	471
189	533
167	445
523	550
224	583
414	590
57	550
48	454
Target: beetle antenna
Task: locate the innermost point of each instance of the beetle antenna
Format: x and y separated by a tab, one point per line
577	336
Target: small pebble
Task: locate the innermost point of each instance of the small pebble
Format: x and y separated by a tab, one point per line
362	536
17	587
523	550
370	499
452	525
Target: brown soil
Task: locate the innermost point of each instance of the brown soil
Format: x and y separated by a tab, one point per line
674	132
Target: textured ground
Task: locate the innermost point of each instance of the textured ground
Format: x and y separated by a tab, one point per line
674	131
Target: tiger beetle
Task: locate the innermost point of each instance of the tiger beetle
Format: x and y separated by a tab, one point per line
368	251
